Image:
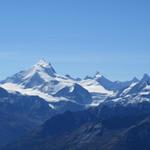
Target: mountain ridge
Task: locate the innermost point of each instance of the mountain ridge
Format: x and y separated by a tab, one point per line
41	92
42	80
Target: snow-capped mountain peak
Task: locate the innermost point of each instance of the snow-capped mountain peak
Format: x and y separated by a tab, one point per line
138	87
44	66
97	75
41	79
36	77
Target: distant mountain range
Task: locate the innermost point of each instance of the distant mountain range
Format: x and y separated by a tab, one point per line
43	81
30	97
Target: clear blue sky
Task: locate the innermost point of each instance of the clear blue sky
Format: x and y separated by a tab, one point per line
79	37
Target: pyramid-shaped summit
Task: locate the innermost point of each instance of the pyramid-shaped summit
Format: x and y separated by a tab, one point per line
42	71
42	80
41	76
43	65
